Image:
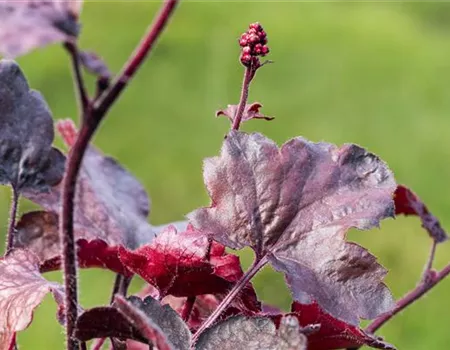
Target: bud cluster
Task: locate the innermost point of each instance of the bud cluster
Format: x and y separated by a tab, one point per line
254	44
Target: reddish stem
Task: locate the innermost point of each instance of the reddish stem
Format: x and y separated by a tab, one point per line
237	288
187	308
139	55
91	118
248	76
66	229
408	299
12	219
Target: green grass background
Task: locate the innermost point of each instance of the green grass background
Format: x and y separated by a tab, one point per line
377	74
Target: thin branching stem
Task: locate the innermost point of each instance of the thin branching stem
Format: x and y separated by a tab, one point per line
237	288
91	118
429	265
137	58
12	218
83	98
408	299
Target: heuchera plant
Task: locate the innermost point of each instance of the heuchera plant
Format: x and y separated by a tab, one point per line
292	205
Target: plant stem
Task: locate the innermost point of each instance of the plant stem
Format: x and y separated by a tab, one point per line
66	229
408	299
91	118
429	264
98	344
248	76
237	288
12	219
187	308
139	55
83	98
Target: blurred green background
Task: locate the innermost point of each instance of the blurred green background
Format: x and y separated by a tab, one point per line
377	74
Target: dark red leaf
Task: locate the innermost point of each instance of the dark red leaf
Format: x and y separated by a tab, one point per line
111	204
240	332
333	333
29	24
408	203
126	320
22	289
293	207
38	232
251	111
27	159
177	264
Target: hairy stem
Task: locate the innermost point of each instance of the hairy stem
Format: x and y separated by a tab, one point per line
137	58
187	308
66	229
248	76
91	118
237	288
12	219
97	345
83	98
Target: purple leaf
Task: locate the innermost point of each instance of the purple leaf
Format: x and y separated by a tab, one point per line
126	319
27	159
408	203
111	204
29	24
251	111
22	289
240	332
94	64
38	232
293	207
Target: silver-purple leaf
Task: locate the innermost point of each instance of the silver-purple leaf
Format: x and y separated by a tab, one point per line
293	206
29	24
110	203
253	333
27	158
22	289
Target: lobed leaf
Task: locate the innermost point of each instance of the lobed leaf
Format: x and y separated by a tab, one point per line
27	159
253	333
113	321
178	264
22	289
38	232
29	24
408	203
293	207
111	204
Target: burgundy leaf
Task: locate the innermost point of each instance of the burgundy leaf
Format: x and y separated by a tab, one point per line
94	64
22	289
27	159
251	111
293	207
111	204
116	321
38	232
333	333
177	264
240	332
408	203
29	24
